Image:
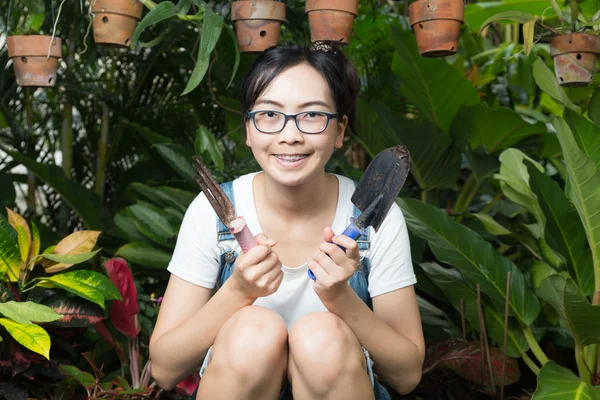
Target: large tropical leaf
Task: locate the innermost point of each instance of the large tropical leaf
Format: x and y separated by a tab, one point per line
164	10
514	181
23	233
586	134
145	255
90	285
206	142
209	34
476	259
179	158
583	189
556	382
435	87
435	162
78	243
594	108
85	202
154	223
494	129
455	289
165	196
30	336
85	379
10	257
27	312
564	231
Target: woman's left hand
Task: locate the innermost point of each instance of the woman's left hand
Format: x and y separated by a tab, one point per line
333	266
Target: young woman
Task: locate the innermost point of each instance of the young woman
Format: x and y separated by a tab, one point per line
270	331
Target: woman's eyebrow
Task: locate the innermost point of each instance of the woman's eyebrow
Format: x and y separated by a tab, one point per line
303	105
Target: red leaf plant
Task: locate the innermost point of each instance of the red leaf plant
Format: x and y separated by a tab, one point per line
465	359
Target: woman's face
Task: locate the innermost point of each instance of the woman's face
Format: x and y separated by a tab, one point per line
290	156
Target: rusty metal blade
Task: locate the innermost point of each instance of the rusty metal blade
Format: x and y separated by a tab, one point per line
384	176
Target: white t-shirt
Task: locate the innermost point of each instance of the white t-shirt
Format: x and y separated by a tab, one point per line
197	252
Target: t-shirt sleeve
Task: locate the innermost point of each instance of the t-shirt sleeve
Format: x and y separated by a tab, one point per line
391	263
196	255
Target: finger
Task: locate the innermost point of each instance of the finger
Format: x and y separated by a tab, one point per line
326	262
263	239
328	234
318	271
349	244
269	263
254	255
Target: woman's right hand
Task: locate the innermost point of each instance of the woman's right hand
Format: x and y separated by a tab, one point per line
258	273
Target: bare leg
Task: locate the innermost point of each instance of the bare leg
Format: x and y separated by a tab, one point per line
249	357
326	360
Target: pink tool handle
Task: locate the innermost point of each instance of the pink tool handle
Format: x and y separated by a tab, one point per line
242	234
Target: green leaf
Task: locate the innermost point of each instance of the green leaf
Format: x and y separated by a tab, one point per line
528	36
165	196
236	63
546	80
30	336
26	312
206	141
35	241
583	189
127	227
154	223
586	134
89	285
76	312
85	202
23	238
540	270
435	162
477	13
583	317
70	258
163	10
435	87
552	291
209	35
556	382
513	16
455	289
494	129
594	107
476	259
179	158
514	181
85	379
491	225
149	135
145	254
564	231
10	257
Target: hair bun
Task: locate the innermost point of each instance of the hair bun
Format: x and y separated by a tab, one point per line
325	46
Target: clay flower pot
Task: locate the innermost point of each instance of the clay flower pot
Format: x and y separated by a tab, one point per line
115	21
437	25
30	58
257	24
331	20
575	58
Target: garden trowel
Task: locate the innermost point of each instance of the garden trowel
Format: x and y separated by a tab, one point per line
377	190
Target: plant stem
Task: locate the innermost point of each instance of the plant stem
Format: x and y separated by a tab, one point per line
198	17
30	145
492	203
424	196
530	363
102	152
465	197
582	368
590	356
535	347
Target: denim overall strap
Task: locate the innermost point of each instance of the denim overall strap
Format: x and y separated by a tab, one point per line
228	258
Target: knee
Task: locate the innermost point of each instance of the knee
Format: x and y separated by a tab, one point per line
324	348
251	338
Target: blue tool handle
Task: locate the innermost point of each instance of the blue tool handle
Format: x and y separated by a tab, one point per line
353	232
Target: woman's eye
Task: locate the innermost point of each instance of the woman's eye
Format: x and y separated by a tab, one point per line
314	114
270	114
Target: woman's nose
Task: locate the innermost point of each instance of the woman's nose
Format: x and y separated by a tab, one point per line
290	132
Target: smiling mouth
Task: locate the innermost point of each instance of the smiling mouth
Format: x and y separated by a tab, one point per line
291	157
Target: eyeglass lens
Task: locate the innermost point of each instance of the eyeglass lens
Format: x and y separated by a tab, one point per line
308	122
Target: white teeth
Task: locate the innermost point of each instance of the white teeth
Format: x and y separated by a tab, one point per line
291	158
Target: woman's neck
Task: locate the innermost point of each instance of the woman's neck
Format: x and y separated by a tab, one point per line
295	202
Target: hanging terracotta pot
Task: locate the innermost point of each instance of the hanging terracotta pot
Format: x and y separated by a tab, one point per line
437	25
30	58
257	24
115	21
331	20
575	58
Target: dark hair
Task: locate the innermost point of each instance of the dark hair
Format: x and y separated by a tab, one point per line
327	59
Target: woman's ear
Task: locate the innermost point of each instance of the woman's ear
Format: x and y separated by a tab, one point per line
247	137
341	126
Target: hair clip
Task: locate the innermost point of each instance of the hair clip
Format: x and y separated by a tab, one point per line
325	47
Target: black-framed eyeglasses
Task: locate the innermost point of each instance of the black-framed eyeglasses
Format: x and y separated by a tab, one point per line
311	122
